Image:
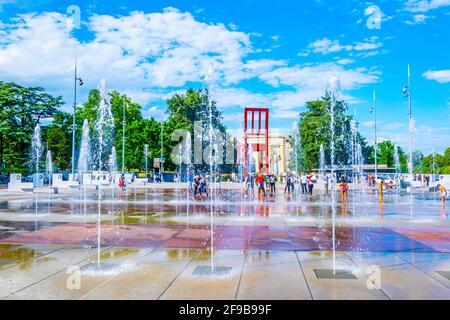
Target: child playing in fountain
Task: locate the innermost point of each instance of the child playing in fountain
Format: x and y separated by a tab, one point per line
204	186
344	190
442	192
122	182
380	189
196	184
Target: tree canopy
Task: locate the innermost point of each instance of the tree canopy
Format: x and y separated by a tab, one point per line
21	109
315	130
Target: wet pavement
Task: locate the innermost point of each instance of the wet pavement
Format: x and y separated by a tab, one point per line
156	244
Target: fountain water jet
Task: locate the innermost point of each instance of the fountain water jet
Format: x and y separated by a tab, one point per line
104	127
85	152
49	167
333	91
36	152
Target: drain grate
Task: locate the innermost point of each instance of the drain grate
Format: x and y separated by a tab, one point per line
5	262
98	267
445	274
209	271
334	274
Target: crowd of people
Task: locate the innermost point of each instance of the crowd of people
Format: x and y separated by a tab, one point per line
267	184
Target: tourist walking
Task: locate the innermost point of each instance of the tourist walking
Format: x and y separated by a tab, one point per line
326	181
272	184
427	179
260	183
304	182
310	184
289	183
249	183
196	184
204	186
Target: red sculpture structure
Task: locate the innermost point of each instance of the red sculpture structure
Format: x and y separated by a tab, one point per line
256	129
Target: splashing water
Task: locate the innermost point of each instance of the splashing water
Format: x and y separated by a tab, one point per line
49	166
296	146
333	90
113	161
104	127
85	151
396	160
36	153
146	160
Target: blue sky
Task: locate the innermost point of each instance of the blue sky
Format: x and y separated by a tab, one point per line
266	53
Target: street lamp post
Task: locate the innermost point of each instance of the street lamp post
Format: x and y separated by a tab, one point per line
161	165
77	81
374	111
407	92
123	137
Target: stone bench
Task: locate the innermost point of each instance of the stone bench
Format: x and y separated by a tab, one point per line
20	187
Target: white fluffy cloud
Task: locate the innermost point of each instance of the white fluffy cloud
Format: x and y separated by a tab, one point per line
327	46
425	5
151	55
441	76
418	19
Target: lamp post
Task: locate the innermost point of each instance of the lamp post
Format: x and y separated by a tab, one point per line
77	82
161	165
374	111
407	92
123	137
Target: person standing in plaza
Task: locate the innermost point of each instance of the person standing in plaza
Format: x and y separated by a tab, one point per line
272	184
326	181
249	184
288	183
260	182
304	181
122	182
310	184
380	189
344	190
443	192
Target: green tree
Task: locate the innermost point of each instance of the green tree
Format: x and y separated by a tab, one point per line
183	111
57	137
445	169
21	109
315	129
386	153
417	158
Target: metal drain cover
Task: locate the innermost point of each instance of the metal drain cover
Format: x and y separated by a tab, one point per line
334	274
445	274
5	262
210	271
93	266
